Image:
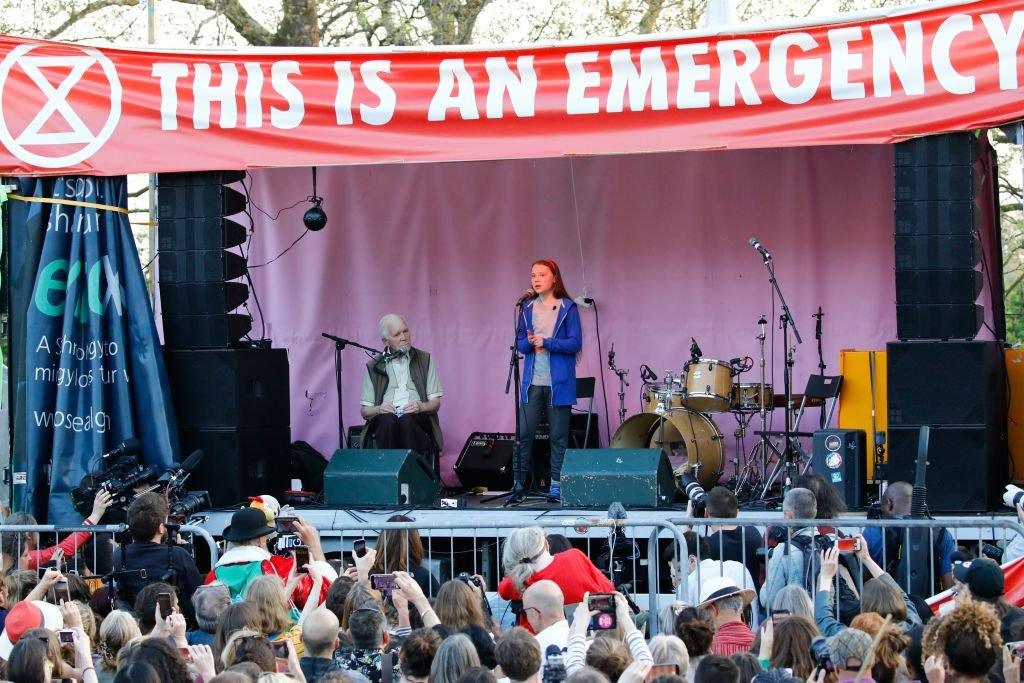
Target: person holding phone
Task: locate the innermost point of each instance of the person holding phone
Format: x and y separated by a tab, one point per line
576	649
550	336
248	558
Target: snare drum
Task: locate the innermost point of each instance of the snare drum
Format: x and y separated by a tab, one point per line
747	397
708	386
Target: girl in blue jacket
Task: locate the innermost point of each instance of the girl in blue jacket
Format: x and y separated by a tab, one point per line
549	334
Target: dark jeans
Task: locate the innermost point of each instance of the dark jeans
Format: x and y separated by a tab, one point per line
538	401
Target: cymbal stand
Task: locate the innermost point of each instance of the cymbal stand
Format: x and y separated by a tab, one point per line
750	476
621	374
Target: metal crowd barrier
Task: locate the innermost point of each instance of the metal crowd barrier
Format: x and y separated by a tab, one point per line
626	543
51	535
636	540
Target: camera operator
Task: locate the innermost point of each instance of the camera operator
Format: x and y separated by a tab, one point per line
147	560
70	545
732	542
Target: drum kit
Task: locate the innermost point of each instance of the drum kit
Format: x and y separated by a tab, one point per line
678	416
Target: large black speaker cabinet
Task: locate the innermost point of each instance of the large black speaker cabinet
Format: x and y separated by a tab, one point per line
938	321
958	388
945	383
840	456
229	388
239	462
967	466
938	216
372	477
639	477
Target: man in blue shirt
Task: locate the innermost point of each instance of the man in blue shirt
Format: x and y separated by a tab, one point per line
886	545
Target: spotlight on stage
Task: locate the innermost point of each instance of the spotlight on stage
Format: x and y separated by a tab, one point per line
315	218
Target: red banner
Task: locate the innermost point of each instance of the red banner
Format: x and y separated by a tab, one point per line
70	108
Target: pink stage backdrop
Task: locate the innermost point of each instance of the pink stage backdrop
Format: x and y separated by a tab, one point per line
659	240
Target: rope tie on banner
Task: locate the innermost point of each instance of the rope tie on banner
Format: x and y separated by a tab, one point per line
68	202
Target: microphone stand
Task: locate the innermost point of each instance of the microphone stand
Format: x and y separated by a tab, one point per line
787	321
621	374
340	344
821	356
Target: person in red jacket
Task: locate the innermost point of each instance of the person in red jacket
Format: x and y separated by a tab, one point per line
39	556
248	557
526	559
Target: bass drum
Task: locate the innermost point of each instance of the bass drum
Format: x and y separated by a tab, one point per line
686	436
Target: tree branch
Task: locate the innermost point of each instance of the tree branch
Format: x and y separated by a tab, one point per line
89	8
248	28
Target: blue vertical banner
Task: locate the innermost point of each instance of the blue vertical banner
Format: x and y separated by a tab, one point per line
87	368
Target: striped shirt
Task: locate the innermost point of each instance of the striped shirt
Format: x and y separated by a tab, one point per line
731	638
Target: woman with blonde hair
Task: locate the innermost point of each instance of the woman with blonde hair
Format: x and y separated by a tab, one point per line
526	559
280	619
117	630
455	655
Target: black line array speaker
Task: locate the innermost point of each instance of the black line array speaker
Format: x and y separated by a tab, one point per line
640	477
195	269
375	476
840	456
937	182
958	388
233	404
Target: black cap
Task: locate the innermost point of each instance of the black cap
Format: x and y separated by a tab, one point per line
983	576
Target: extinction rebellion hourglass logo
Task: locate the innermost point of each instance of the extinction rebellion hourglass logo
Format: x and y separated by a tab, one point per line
79	103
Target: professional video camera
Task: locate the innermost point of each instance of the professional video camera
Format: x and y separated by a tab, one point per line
120	474
124	478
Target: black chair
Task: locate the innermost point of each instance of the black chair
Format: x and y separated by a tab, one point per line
585	389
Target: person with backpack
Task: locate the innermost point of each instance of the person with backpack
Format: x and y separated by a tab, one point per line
785	561
798	561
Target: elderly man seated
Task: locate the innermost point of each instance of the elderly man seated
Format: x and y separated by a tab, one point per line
401	393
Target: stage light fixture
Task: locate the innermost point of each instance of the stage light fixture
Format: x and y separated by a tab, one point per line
315	218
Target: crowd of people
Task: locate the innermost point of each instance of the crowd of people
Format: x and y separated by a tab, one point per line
380	616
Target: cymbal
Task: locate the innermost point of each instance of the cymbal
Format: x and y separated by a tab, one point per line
779	401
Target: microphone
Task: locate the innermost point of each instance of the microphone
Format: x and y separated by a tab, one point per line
127	447
695	353
761	250
611	356
527	295
175	478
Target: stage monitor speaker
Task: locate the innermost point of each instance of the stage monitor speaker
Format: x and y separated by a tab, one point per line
967	466
637	477
945	383
229	388
938	286
486	461
951	149
201	298
840	456
937	252
201	265
372	477
939	321
949	217
204	331
239	462
186	234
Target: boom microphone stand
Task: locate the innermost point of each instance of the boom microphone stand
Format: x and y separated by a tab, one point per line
621	374
788	455
821	356
340	344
